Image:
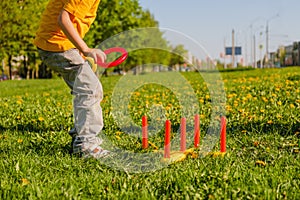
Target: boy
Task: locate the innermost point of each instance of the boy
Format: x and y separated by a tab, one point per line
59	41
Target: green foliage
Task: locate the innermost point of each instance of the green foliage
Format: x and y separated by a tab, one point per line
262	160
18	23
177	58
20	19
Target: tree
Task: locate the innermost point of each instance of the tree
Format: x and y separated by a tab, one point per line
177	56
18	24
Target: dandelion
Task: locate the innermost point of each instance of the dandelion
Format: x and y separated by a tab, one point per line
20	140
279	116
41	119
256	143
19	101
264	99
249	96
260	163
24	181
118	133
46	94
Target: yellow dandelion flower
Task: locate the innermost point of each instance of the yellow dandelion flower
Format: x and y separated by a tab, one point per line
168	107
264	99
256	143
249	96
20	140
118	137
279	103
260	163
230	96
279	116
41	119
118	133
292	105
270	122
19	101
24	181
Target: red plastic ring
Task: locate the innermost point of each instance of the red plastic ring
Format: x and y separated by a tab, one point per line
118	61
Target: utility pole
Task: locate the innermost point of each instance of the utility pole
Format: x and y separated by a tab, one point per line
233	49
267	39
254	52
225	53
267	44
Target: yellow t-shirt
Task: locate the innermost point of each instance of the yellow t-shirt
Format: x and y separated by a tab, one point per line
50	37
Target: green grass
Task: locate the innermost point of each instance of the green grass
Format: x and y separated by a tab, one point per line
263	141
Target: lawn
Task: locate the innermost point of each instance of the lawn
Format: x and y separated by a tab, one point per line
263	139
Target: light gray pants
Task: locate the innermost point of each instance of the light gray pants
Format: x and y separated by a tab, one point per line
86	89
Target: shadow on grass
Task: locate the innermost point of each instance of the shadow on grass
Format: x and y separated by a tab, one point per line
283	129
45	141
39	138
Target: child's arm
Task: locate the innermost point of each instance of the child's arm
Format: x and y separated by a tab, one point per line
67	27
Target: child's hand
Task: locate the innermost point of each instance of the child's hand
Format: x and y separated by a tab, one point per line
96	54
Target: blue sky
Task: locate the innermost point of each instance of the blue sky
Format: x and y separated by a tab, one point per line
210	22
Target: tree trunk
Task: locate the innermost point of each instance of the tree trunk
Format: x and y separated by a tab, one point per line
10	66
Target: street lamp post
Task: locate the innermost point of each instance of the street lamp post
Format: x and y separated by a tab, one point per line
254	64
267	38
252	57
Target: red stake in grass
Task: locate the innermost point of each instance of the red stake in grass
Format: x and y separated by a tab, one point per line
167	139
183	134
144	132
223	135
196	131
